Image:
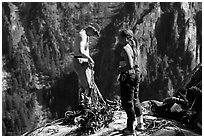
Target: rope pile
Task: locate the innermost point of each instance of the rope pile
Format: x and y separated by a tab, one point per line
91	119
153	126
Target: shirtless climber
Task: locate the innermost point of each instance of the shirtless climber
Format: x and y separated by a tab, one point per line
83	63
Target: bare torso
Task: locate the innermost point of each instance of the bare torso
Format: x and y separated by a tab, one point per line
81	44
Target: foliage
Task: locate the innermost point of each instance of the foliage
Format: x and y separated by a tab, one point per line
37	43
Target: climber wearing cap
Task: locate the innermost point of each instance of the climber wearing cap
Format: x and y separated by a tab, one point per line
82	60
129	81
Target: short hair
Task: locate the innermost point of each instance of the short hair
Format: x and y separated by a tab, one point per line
126	33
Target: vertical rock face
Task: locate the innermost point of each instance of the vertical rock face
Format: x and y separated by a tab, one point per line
177	38
37	51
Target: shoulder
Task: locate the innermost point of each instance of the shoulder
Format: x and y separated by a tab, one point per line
133	42
82	34
127	48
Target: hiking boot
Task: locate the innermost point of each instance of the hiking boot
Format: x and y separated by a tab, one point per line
126	131
140	127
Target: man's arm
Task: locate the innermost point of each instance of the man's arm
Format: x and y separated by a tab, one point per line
82	50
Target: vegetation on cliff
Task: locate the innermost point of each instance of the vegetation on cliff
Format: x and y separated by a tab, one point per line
38	79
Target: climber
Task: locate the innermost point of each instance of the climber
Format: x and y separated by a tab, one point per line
129	82
82	62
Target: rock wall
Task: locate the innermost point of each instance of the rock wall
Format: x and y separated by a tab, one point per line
37	53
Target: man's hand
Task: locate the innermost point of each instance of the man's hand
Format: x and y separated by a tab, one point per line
91	65
91	62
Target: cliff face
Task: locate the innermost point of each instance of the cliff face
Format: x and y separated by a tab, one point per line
38	79
168	35
173	46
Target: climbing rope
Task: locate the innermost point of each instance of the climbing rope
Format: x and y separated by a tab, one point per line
158	124
97	93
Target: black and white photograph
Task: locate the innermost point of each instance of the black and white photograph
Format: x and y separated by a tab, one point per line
104	68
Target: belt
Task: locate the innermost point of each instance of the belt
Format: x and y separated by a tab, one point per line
131	71
78	57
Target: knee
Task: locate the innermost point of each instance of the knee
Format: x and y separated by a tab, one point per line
128	105
138	110
138	113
